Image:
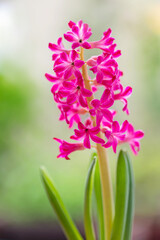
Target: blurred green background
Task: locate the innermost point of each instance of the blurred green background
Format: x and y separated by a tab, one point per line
29	116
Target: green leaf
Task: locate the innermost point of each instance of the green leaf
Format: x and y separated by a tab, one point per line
87	203
67	224
99	201
130	210
122	196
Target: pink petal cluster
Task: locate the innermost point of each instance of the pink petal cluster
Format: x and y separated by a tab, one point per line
74	99
78	35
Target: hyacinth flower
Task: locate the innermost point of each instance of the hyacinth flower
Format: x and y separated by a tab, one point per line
86	132
78	35
74	92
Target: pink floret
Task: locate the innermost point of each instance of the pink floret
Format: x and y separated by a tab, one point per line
105	41
66	148
133	137
100	108
85	132
70	64
78	35
57	48
103	68
115	134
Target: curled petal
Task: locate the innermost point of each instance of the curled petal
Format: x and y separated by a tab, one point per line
95	130
94	69
125	106
135	148
124	126
85	92
64	56
52	46
108	144
114	145
127	92
130	129
75	45
92	61
75	29
87	141
95	103
88	123
111	62
115	126
78	133
81	126
107	33
109	41
92	112
99	59
59	41
68	85
77	74
99	117
99	77
105	95
68	37
108	103
82	101
86	45
97	139
87	35
117	54
51	78
107	114
74	55
71	24
59	68
54	88
139	134
71	99
68	73
79	63
75	118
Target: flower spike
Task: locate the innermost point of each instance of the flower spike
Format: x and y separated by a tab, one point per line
73	90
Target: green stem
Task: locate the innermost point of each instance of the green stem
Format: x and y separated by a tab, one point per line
106	189
104	165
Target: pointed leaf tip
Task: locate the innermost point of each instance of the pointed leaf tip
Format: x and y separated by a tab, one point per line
66	222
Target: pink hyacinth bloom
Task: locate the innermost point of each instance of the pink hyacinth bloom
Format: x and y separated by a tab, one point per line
69	65
57	48
71	113
133	137
86	132
74	91
100	108
78	35
115	134
112	82
77	92
110	51
122	97
105	41
103	68
58	82
92	61
66	148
